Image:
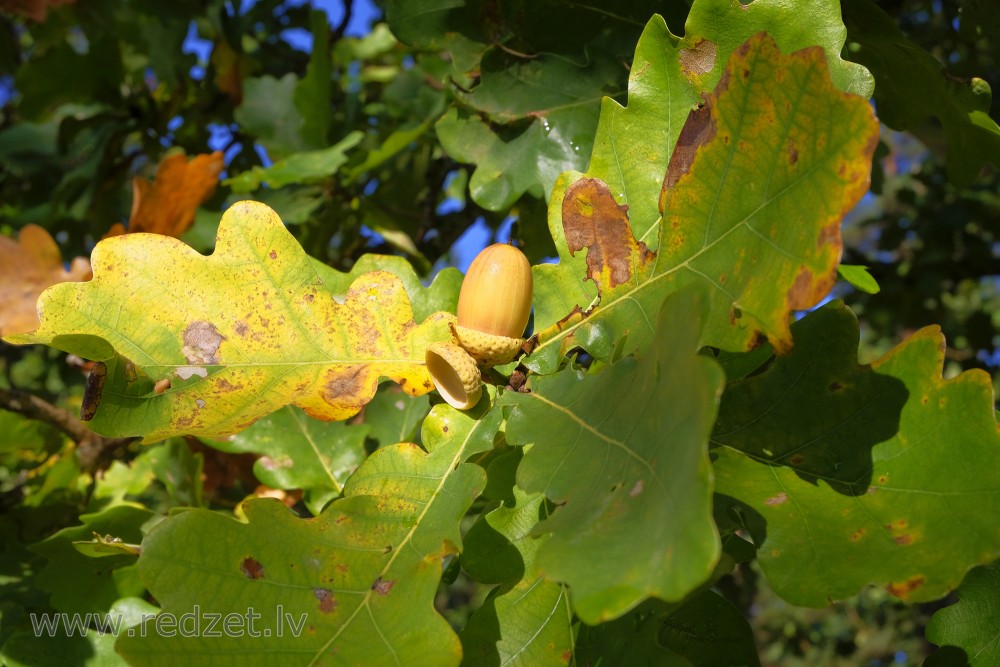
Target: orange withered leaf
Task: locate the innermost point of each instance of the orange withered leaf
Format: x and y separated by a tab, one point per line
27	267
167	206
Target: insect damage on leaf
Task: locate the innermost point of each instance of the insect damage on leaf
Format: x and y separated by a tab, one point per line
697	60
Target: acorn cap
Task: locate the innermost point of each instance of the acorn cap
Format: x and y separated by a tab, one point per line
488	349
455	375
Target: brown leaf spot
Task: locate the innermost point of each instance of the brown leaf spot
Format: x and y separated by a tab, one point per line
835	387
273	255
327	602
251	568
858	534
903	589
241	328
201	343
801	292
829	235
776	500
224	385
793	153
699	129
903	540
592	219
383	587
697	60
345	386
797	459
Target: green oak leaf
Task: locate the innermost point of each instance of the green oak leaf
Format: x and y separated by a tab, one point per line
536	73
708	631
297	452
298	168
912	87
312	94
65	75
92	648
623	454
764	246
847	474
705	631
526	620
526	157
859	278
393	415
358	581
180	471
80	584
268	112
239	334
971	625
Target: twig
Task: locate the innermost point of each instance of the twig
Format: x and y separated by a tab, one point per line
92	449
338	32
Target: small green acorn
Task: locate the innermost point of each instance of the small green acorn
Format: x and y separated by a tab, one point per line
493	309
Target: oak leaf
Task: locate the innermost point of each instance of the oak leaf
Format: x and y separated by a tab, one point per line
27	267
239	334
168	205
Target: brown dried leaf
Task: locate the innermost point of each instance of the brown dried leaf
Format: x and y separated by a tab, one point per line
27	267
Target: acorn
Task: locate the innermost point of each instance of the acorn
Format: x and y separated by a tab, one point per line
494	305
493	310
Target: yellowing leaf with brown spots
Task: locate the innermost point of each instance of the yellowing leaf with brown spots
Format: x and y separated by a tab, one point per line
752	200
27	267
168	205
238	334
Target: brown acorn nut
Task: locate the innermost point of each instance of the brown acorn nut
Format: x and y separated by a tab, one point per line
493	310
494	304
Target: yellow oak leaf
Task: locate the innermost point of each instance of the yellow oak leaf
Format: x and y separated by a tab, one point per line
238	334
